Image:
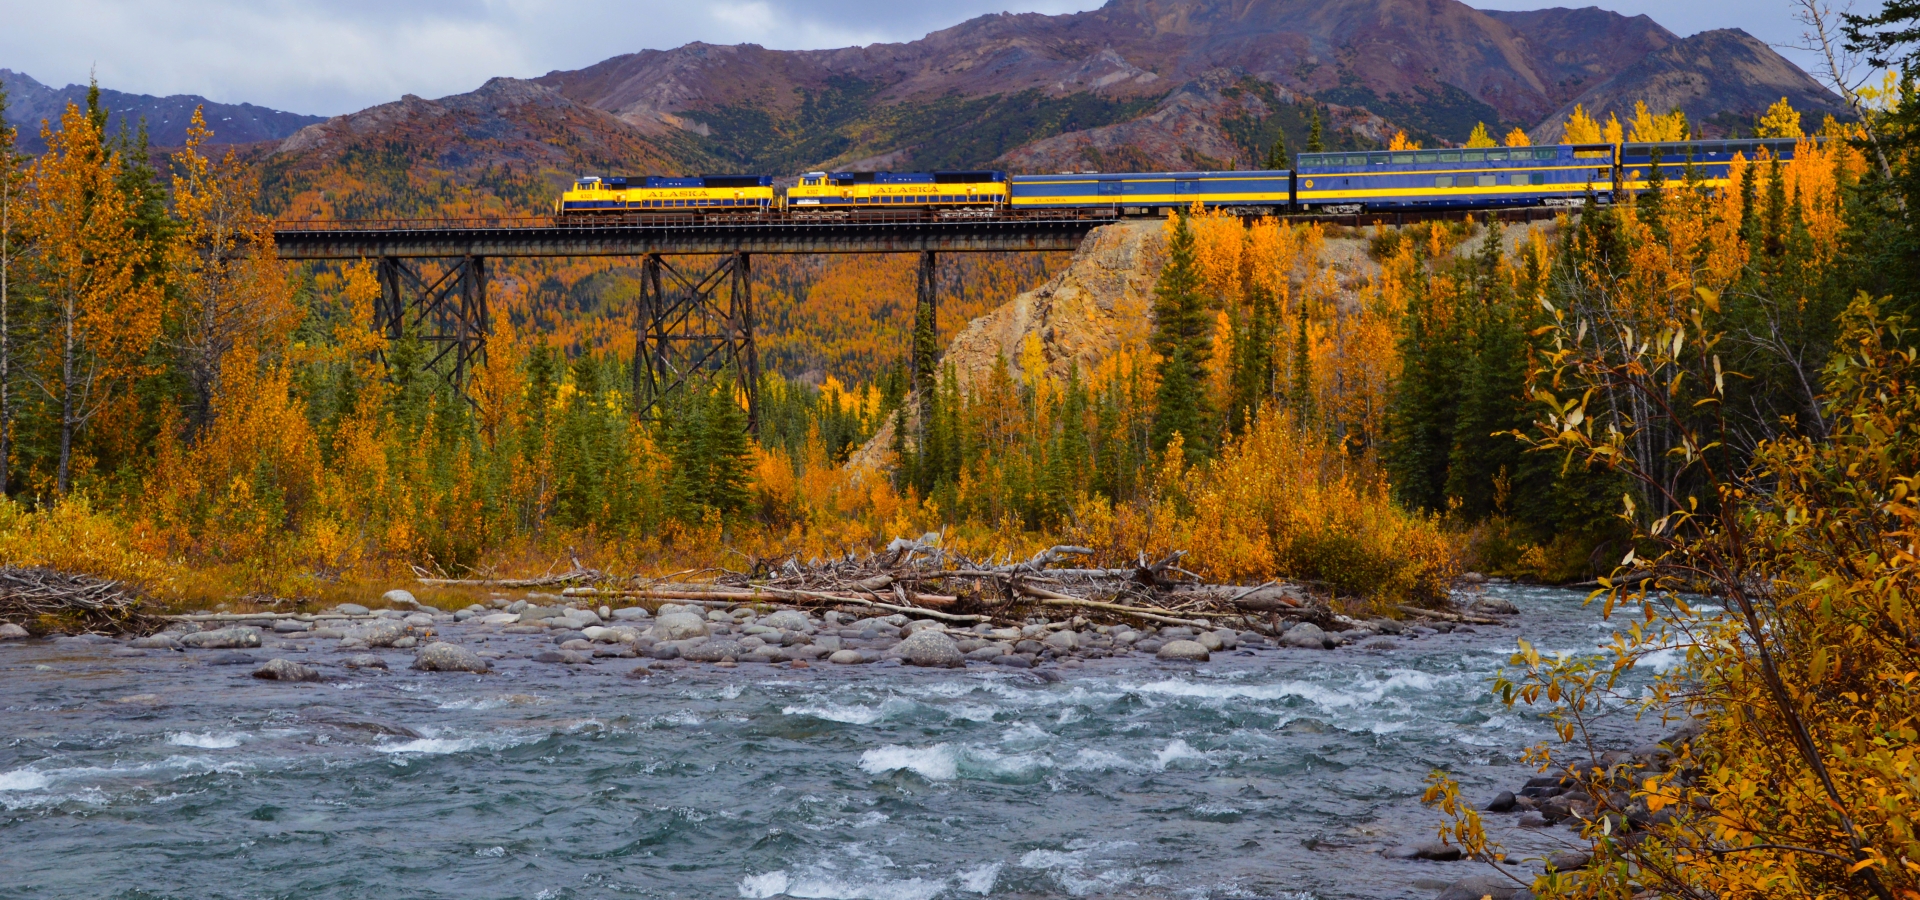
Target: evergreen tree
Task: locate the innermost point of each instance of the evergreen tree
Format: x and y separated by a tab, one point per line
1277	159
1300	392
1421	412
1252	372
1183	337
1315	143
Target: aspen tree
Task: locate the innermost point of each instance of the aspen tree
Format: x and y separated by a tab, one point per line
104	316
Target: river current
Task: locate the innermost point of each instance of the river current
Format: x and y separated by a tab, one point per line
1277	773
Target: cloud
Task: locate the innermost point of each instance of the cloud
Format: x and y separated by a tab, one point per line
335	56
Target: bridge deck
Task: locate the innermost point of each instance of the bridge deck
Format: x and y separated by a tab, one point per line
368	240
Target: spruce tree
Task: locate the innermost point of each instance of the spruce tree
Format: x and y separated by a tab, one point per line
1277	159
1315	142
1252	373
1300	392
1183	337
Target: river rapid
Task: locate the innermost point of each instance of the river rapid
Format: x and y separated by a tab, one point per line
1266	773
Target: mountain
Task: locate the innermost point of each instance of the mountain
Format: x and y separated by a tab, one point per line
1722	79
29	103
1168	84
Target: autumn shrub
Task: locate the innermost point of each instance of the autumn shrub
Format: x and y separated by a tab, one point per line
77	538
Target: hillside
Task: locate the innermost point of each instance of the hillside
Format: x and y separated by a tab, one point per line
30	103
1720	78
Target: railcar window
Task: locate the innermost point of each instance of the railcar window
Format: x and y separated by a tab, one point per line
1474	156
1489	180
1426	157
1402	157
1450	157
1496	156
1546	153
1537	178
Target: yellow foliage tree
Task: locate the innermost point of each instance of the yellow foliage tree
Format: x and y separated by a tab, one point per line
1480	137
1781	121
1650	128
233	291
105	315
1518	138
1581	128
1400	142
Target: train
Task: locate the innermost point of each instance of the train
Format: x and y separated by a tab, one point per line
1329	183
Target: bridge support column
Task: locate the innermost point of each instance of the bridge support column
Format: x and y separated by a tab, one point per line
446	312
694	321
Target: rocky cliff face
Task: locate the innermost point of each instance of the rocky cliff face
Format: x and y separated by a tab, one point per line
1100	302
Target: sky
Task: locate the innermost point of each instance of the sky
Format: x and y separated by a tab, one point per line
327	57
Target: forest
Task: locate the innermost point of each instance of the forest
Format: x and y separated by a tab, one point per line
1694	393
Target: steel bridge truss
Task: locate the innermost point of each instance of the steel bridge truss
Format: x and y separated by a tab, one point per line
691	321
446	312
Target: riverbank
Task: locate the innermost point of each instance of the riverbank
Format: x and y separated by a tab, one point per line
581	771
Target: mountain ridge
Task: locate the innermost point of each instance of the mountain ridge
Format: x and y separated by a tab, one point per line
167	118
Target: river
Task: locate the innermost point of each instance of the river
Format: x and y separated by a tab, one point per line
1275	773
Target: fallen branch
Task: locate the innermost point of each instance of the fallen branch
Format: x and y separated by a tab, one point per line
542	581
1447	616
1051	598
766	593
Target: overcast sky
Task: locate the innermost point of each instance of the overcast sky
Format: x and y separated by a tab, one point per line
327	57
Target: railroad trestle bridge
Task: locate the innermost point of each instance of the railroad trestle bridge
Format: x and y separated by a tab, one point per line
690	317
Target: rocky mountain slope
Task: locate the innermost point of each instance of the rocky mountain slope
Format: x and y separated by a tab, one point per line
1718	77
30	102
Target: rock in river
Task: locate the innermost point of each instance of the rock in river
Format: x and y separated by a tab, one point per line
221	639
930	648
1193	651
712	651
1306	635
365	661
678	627
286	670
847	658
11	632
441	656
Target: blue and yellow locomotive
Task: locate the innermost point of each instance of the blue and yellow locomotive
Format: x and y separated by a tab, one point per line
940	195
718	197
1333	183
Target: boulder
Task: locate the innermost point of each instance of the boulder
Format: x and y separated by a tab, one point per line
150	642
1502	802
630	612
928	647
847	657
11	632
1063	641
1569	860
1190	651
788	620
1305	635
286	670
365	661
397	597
289	626
500	618
221	639
350	609
1495	606
382	634
1210	641
713	651
988	653
441	656
679	626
